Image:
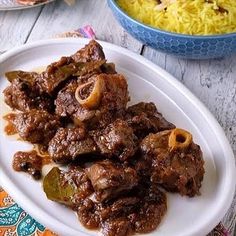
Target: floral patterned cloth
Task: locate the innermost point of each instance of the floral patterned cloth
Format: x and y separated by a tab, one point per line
14	221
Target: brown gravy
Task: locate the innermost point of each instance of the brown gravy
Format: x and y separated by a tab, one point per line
29	162
42	151
10	128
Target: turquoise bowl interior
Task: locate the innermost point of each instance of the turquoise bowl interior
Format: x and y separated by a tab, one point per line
180	45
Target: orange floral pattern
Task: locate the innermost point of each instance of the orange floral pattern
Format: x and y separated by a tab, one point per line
16	222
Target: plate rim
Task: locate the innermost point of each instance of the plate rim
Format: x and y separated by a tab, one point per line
230	175
22	7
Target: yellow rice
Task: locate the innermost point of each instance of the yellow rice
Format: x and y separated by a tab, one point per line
194	17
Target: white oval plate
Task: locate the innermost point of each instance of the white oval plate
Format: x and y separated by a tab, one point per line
147	82
8	5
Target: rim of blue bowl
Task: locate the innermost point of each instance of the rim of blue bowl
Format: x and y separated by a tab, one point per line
215	36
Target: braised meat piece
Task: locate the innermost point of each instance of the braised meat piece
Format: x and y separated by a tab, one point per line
31	85
141	211
144	119
122	206
83	62
70	143
70	187
177	162
117	140
77	176
29	162
114	94
24	96
91	52
68	106
30	90
36	126
117	227
143	167
88	214
96	103
110	179
111	216
58	73
151	209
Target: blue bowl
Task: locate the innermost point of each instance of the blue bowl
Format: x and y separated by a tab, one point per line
180	45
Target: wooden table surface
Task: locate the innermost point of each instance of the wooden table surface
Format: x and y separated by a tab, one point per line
212	81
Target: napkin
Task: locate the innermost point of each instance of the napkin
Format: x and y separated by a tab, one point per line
14	221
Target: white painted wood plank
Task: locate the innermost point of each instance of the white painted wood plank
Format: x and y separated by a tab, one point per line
15	26
214	83
58	18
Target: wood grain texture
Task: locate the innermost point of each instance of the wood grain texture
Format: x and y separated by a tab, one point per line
214	83
15	26
59	17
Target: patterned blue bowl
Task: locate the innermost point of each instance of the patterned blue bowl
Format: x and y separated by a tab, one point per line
180	45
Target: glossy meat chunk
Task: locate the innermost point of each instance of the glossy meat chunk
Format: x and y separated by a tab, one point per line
23	95
75	65
141	211
177	170
144	119
36	126
115	94
143	167
113	100
57	73
109	216
68	106
29	162
116	140
116	227
122	206
70	143
87	60
110	179
67	187
91	52
151	209
88	214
